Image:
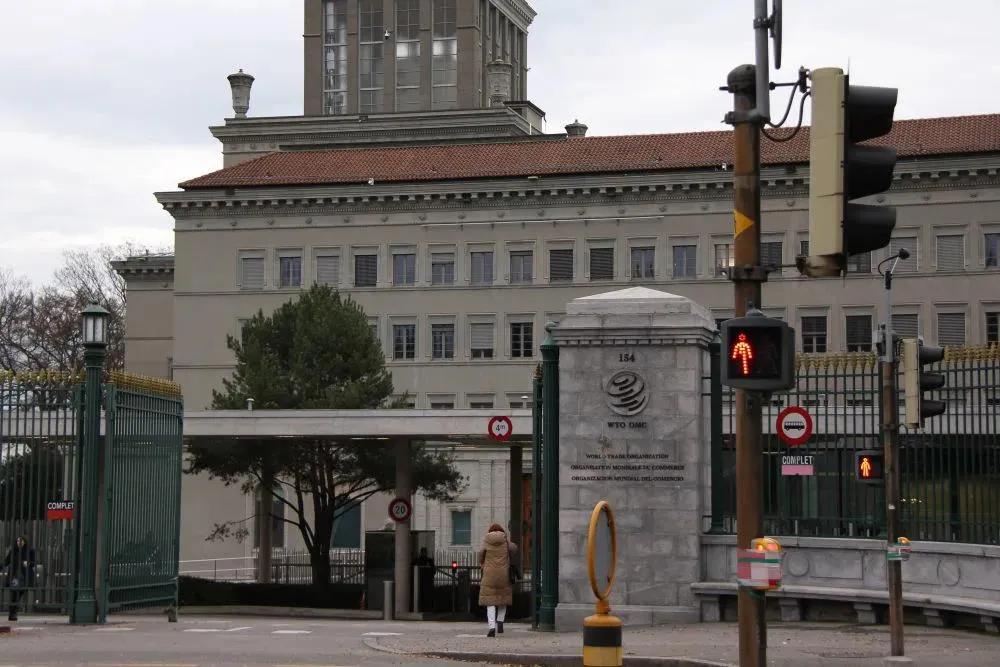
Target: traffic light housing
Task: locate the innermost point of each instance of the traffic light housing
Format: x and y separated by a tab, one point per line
759	353
915	382
869	466
840	170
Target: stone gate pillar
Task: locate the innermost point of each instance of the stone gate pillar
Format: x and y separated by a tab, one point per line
634	431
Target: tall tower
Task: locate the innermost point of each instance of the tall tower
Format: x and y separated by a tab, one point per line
384	56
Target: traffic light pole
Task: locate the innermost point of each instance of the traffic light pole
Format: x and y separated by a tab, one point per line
890	444
747	277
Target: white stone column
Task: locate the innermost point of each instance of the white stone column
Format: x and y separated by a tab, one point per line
633	431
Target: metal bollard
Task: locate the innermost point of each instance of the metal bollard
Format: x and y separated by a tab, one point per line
388	600
602	641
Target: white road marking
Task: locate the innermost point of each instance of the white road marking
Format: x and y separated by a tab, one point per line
292	632
245	627
469	636
203	630
382	634
113	629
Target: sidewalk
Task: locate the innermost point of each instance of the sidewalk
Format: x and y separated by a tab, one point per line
789	645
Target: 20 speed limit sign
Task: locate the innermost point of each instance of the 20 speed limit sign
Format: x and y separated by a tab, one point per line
399	509
500	428
794	425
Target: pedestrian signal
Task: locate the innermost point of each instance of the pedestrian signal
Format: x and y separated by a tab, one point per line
868	466
759	353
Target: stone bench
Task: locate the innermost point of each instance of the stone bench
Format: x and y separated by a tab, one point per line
790	598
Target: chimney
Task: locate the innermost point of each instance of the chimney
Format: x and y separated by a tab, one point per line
241	83
576	129
498	77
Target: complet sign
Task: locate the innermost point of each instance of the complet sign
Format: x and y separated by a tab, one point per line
60	510
794	464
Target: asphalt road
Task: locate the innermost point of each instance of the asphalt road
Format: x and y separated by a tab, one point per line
150	641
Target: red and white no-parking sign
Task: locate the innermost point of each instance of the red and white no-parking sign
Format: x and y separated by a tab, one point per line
400	509
500	428
794	425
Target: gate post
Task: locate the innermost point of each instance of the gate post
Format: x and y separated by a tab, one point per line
550	483
85	606
715	407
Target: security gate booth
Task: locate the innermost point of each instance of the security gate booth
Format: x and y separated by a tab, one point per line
131	484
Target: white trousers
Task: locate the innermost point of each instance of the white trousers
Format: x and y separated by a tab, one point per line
494	614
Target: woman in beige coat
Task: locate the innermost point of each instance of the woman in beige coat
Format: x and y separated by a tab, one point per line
495	589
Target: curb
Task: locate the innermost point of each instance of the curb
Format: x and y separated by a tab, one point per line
281	612
547	659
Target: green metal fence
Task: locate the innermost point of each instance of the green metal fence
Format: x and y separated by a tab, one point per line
950	469
141	538
38	415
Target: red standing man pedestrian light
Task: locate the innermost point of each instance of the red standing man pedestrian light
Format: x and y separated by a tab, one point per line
743	352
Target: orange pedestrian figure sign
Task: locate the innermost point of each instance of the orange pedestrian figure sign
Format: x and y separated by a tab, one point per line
743	353
868	466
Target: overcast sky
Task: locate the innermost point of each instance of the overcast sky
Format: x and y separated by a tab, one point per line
106	101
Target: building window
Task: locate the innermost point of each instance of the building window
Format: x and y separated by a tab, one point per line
951	252
290	271
560	265
771	254
685	261
951	329
602	263
860	263
481	405
643	262
370	60
347	528
906	325
910	243
859	333
404	341
518	401
461	528
335	65
442	405
804	248
442	341
481	336
328	269
521	346
993	327
814	334
723	258
443	268
992	244
404	269
444	59
407	55
251	273
365	270
482	268
520	266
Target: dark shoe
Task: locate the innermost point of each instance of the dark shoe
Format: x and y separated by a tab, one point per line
491	633
499	627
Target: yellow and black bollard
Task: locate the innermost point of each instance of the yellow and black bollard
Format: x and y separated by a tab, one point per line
602	639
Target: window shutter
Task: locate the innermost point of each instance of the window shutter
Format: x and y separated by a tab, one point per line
951	328
482	336
951	253
328	269
770	253
365	270
560	265
910	243
253	273
907	326
859	333
602	263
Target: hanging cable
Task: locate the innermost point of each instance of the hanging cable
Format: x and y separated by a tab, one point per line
802	107
788	107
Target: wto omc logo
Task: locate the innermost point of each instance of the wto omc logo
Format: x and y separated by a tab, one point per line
626	393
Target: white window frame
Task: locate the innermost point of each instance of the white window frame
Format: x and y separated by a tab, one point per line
399	320
481	398
684	241
479	247
443	249
327	251
251	253
865	311
643	242
289	252
403	250
512	247
508	335
814	312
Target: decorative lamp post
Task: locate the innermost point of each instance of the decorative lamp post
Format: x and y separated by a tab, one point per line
95	344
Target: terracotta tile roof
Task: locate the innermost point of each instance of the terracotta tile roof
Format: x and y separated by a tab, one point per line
582	155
